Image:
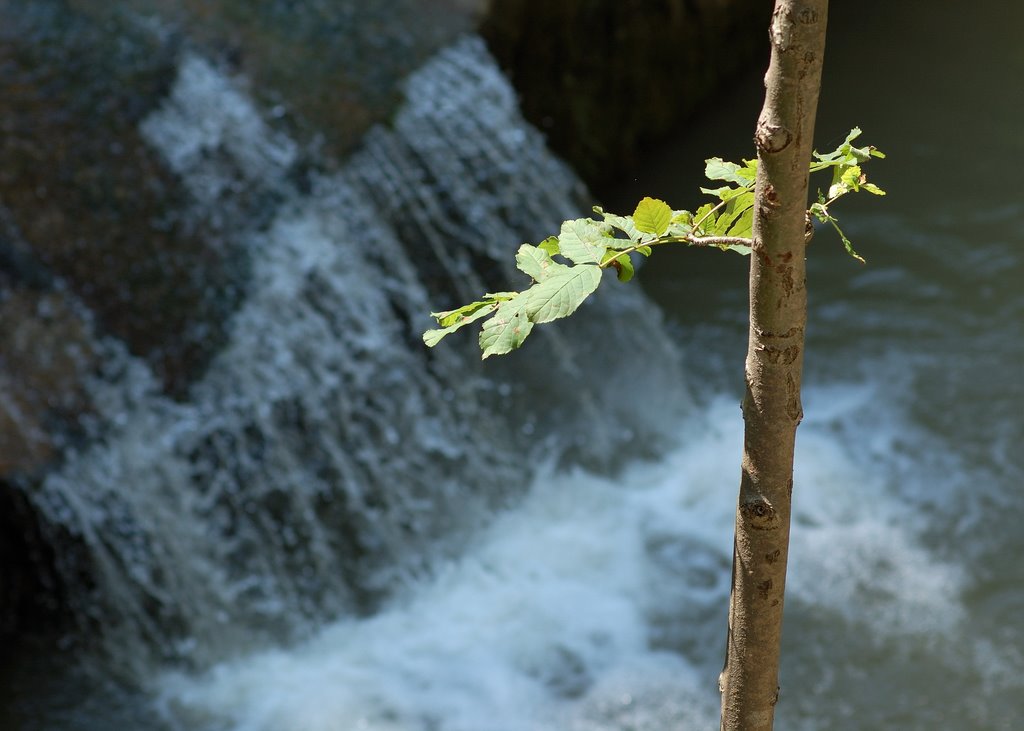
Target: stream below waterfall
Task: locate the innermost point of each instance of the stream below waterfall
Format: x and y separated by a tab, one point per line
595	599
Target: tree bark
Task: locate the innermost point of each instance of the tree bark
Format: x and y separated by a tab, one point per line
771	407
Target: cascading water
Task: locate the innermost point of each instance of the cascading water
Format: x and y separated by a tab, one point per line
326	457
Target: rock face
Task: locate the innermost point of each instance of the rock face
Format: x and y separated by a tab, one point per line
602	79
89	229
127	255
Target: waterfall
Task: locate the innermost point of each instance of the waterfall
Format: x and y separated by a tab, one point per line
326	457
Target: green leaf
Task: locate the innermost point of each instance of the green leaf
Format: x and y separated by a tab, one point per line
845	154
549	245
652	216
819	211
851	177
718	192
624	224
846	241
481	309
535	262
842	181
560	294
861	154
733	210
509	327
450	317
624	271
682	224
842	151
847	174
583	241
704	217
740	249
623	244
743	227
680	230
621	263
718	169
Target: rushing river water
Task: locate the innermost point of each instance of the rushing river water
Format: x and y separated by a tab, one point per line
597	602
908	615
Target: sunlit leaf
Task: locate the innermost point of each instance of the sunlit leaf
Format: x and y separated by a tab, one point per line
846	241
743	227
433	337
549	245
682	224
725	190
718	169
583	240
749	170
704	217
733	210
621	263
560	294
624	268
652	216
851	177
535	262
625	224
507	330
450	317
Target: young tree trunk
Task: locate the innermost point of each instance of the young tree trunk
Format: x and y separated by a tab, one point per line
771	407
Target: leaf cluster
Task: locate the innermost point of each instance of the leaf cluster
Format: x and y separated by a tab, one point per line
567	268
847	177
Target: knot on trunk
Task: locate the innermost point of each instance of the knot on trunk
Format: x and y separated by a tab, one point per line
772	138
758	513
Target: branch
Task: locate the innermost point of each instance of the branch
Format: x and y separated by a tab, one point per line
718	241
690	239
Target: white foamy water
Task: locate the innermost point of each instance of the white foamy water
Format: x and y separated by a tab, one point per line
595	604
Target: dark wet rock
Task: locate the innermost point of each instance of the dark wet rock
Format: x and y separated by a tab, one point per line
603	79
31	595
48	354
87	202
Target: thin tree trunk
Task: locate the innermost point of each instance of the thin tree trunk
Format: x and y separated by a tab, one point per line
771	407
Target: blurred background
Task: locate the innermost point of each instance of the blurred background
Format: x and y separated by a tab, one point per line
237	493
